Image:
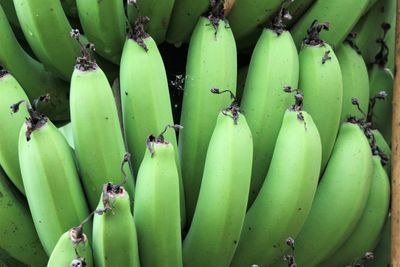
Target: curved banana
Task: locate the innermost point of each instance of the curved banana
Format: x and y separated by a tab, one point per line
100	147
53	190
211	63
273	66
72	249
157	208
31	74
355	80
381	79
18	237
340	198
334	13
104	24
114	232
220	211
184	18
321	82
247	19
47	30
382	250
159	13
285	198
369	29
8	7
10	93
366	234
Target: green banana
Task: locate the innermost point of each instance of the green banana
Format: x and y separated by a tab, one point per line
247	19
212	62
114	232
157	209
369	30
8	6
341	15
184	18
159	13
297	9
72	249
47	30
274	65
104	25
10	93
381	79
382	144
100	147
285	199
220	211
66	130
371	3
321	82
340	198
31	74
355	80
18	237
382	250
366	234
53	190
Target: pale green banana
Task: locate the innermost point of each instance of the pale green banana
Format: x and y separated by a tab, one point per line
72	249
10	93
366	234
157	208
53	190
99	147
104	24
159	13
381	79
321	82
220	211
247	19
355	80
382	250
341	15
47	30
66	130
31	74
340	198
184	17
285	199
211	63
273	66
18	237
114	232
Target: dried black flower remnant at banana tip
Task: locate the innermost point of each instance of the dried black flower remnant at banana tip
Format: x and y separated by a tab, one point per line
313	33
85	61
233	109
152	139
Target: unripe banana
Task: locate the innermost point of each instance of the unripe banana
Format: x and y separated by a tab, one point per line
285	199
114	232
273	66
382	250
66	130
53	190
99	147
8	7
341	15
10	93
159	13
321	82
18	237
355	80
157	208
47	30
247	17
211	63
31	74
185	15
104	25
72	250
382	144
220	211
381	79
340	198
366	234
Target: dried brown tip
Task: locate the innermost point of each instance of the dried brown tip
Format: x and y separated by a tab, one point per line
84	62
313	33
138	32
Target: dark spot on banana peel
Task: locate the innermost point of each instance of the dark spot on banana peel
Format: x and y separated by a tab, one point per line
326	57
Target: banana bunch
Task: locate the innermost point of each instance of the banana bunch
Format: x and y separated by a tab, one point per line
195	133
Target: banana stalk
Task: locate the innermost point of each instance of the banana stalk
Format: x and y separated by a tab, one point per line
220	211
212	63
157	208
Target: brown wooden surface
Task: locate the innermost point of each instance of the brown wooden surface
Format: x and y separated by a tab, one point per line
395	238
